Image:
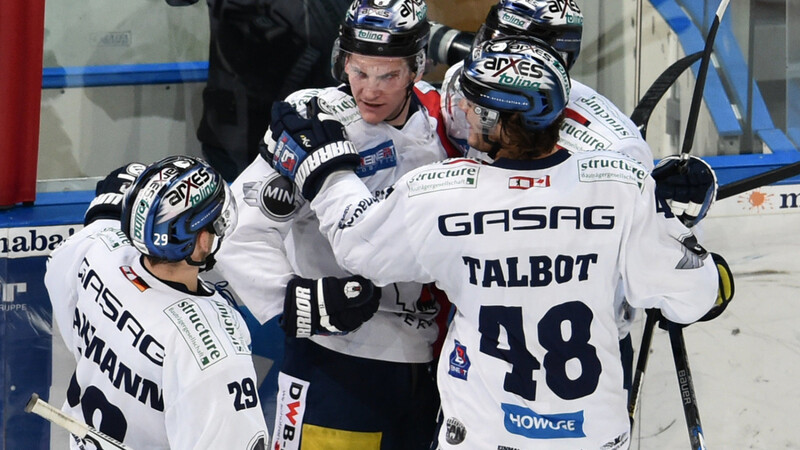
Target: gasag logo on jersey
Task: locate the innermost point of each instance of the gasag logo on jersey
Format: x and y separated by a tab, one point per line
442	179
196	331
610	168
525	183
459	361
456	432
229	321
381	157
274	197
35	241
525	422
291	409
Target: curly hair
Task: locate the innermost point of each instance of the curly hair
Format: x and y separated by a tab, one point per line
525	143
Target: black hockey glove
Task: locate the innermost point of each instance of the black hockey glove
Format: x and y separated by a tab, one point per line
726	288
689	191
328	306
307	150
110	191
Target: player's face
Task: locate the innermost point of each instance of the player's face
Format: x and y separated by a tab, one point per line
481	121
380	87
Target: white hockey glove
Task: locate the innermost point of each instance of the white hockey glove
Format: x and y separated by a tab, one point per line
689	189
110	191
328	306
307	150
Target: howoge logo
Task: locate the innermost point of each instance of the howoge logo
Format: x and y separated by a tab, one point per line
38	241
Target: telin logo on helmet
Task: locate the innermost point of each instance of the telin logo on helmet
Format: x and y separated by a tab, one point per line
372	36
515	21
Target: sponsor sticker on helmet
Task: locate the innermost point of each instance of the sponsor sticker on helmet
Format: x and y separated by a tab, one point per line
373	36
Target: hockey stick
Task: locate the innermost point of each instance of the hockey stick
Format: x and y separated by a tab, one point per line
761	179
640	117
688	397
700	83
641	114
641	362
43	409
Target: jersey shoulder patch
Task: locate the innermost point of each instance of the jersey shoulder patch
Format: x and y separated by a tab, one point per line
456	173
274	196
609	166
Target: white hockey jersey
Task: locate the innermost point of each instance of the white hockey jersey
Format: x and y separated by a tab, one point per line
277	235
530	253
158	367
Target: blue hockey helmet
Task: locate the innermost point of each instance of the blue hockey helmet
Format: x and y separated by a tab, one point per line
390	28
171	202
518	74
557	22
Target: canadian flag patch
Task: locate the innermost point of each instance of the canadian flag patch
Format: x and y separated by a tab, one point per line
528	182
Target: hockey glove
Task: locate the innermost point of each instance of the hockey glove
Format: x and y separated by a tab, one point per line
726	288
307	150
109	193
689	188
328	306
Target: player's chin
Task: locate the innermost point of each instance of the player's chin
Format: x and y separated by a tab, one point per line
372	114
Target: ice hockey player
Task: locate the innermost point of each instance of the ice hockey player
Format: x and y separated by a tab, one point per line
591	122
163	360
364	386
530	250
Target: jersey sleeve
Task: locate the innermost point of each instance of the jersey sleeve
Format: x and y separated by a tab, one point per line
662	265
211	405
368	237
61	275
253	257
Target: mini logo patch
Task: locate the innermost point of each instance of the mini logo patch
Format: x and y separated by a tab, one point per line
275	197
459	362
442	179
528	182
456	431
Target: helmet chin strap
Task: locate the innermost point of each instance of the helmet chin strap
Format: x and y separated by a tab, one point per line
409	90
495	146
210	260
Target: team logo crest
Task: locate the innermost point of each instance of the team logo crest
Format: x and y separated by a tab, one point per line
459	361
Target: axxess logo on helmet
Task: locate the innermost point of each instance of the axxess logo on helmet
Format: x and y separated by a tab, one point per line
192	190
373	36
520	72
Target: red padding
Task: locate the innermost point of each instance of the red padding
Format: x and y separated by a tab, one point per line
21	48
